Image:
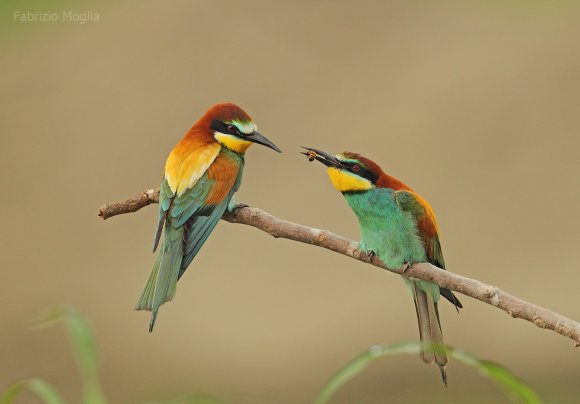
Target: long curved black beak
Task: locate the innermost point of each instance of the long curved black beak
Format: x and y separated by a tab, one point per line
255	137
325	158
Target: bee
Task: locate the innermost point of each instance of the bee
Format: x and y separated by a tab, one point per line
311	155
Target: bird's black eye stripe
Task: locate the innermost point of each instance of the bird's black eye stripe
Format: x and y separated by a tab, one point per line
219	126
360	170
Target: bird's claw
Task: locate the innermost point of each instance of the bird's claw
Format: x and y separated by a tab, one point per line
406	266
368	255
238	206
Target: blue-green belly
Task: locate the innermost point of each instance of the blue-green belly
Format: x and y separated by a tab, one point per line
388	231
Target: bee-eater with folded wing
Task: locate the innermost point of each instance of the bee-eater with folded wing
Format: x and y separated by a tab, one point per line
202	173
400	227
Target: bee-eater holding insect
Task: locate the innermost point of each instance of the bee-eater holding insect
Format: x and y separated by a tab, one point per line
399	226
202	173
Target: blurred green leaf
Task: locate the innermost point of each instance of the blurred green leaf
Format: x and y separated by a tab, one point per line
516	389
85	351
41	388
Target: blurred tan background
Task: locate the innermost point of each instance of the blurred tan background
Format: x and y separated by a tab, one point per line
475	104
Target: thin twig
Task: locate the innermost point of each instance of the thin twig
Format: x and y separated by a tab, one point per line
514	306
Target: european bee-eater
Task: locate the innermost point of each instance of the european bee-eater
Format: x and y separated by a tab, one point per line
399	226
202	173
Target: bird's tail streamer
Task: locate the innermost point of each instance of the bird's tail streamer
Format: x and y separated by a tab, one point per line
162	282
429	328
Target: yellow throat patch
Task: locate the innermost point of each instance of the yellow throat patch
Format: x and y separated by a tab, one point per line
233	143
345	181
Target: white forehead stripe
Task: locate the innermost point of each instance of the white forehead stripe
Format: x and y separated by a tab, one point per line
245	127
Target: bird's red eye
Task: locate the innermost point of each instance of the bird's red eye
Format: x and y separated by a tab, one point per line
356	167
232	129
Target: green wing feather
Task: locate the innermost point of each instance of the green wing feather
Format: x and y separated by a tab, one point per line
187	222
198	227
408	203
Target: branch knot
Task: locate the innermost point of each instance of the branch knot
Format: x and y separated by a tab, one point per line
540	322
492	294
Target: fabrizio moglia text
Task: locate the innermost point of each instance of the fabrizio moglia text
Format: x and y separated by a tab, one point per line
80	17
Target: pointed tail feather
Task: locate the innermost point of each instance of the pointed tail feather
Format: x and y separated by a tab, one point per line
447	294
421	307
160	226
430	329
437	339
162	282
152	321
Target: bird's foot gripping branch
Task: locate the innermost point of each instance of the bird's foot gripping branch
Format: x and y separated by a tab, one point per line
279	228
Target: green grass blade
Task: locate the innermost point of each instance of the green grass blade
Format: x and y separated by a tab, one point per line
358	364
39	387
85	352
502	376
516	389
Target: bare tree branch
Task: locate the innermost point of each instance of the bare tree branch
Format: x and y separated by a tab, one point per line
514	306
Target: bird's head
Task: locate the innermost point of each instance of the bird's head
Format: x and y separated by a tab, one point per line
348	172
233	128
